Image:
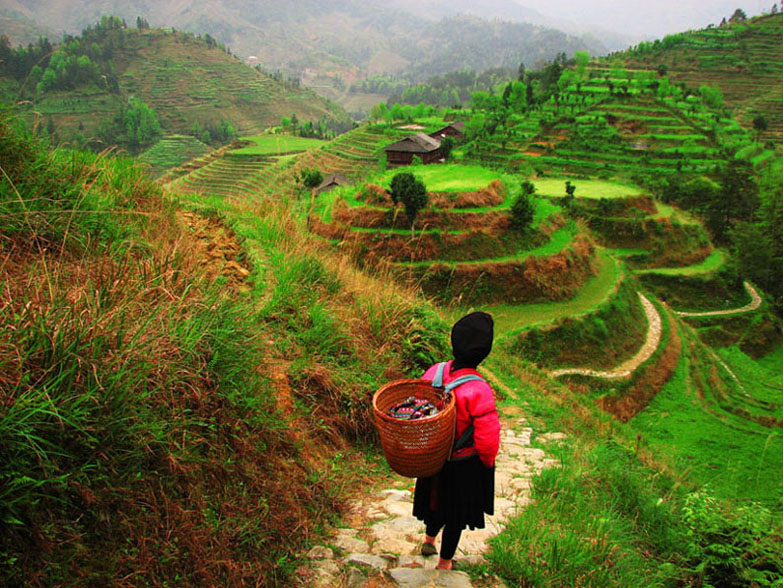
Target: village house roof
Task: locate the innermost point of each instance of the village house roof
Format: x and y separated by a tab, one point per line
418	143
457	126
330	181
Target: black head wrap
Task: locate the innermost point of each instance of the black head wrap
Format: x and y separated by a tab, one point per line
471	339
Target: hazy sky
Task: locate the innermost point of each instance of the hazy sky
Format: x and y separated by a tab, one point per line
645	18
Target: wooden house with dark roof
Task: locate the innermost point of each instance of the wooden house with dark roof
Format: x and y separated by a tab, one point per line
456	130
402	152
331	181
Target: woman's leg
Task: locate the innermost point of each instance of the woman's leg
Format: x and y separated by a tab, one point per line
433	528
448	546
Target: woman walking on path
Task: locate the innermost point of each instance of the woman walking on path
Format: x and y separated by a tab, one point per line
464	490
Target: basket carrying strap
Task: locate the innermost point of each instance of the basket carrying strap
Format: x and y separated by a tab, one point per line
466	438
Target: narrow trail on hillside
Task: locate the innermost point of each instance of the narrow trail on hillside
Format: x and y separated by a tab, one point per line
626	369
754	304
381	545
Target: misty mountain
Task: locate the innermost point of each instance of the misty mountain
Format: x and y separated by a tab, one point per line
488	9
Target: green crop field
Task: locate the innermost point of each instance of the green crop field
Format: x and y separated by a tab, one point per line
277	145
559	239
172	151
555	187
449	178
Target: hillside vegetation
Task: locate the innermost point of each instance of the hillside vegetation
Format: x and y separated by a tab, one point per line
132	86
161	379
186	367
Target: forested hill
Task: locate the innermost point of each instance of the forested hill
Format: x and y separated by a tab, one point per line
120	85
740	57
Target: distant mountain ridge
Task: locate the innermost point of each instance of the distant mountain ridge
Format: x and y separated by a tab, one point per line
350	37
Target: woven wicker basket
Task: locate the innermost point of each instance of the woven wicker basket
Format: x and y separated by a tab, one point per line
419	448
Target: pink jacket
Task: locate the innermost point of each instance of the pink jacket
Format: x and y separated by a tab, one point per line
476	403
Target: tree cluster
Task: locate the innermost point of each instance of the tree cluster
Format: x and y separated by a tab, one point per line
75	62
214	133
758	243
452	89
400	112
134	127
731	198
310	178
322	128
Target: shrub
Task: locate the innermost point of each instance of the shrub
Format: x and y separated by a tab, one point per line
522	212
310	178
412	193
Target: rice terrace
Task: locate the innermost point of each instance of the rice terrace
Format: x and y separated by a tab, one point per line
208	268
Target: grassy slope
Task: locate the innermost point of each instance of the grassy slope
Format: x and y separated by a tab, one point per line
712	263
631	522
617	512
203	422
324	327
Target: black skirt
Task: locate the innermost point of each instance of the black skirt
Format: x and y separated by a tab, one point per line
458	496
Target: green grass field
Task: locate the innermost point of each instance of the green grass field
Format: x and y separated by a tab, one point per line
555	187
762	379
736	458
325	201
277	145
714	261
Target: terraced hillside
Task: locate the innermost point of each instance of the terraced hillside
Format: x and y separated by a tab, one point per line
186	81
464	247
171	151
623	123
250	169
718	416
233	175
743	59
356	153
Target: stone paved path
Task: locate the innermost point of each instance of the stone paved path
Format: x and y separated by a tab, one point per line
755	302
627	368
381	547
654	338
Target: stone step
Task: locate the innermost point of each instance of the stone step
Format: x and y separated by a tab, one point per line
418	578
